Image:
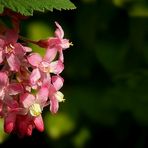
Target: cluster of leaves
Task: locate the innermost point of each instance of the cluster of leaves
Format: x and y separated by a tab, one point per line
26	7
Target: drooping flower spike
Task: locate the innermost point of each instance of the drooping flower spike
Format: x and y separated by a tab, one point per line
28	81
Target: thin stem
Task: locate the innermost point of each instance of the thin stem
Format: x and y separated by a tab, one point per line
27	40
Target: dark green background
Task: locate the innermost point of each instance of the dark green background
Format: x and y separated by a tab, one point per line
106	76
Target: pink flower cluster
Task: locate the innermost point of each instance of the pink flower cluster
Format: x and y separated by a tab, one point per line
30	82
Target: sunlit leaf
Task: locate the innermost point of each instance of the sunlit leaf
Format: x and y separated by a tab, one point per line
26	7
58	125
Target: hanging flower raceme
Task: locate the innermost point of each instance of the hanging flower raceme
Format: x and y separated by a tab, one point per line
28	81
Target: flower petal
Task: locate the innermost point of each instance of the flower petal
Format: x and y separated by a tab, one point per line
57	82
19	51
35	76
65	44
13	62
26	49
24	126
15	88
34	59
59	31
2	43
61	56
38	121
56	67
44	66
50	54
52	91
27	100
54	105
1	56
59	96
42	94
11	103
29	130
3	84
9	122
3	80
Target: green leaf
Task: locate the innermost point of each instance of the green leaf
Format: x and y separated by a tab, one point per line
1	8
26	7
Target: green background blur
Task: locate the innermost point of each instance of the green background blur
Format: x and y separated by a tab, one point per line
106	76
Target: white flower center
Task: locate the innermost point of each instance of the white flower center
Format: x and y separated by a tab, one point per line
44	66
35	109
9	48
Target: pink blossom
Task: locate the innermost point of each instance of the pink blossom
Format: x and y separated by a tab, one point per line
9	106
3	84
43	66
54	94
8	89
34	105
11	50
56	44
24	125
59	33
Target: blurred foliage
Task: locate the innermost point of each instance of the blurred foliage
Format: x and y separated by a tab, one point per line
135	7
106	74
3	135
80	139
36	31
64	123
